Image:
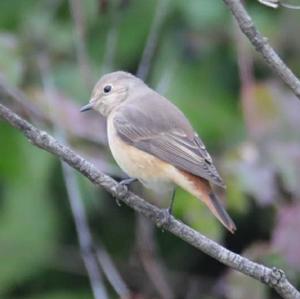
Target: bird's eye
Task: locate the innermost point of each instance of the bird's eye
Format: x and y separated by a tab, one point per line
107	88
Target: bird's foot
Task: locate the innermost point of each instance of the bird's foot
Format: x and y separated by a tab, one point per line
275	278
120	193
127	182
164	218
122	189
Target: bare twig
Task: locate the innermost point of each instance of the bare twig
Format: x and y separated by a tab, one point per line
110	49
111	42
148	255
6	90
94	253
144	229
74	197
166	78
80	46
270	3
262	45
245	64
278	3
145	63
84	234
275	278
145	238
111	273
290	6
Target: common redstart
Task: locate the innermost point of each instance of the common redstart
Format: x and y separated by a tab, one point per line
152	140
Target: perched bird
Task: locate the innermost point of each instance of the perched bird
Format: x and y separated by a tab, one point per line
152	140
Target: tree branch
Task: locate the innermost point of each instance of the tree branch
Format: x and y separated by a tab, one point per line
275	278
278	4
89	251
80	46
152	39
262	45
77	208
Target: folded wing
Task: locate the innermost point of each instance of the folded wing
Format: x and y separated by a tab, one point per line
167	137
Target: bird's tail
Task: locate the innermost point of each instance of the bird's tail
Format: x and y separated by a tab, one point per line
216	207
201	189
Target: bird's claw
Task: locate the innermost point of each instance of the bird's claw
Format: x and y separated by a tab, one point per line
276	277
122	189
120	192
119	204
164	218
127	182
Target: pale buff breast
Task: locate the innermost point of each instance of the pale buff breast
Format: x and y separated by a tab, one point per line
151	171
136	163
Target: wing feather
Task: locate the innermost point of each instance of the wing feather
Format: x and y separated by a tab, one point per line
161	137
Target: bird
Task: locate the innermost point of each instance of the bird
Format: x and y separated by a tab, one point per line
153	142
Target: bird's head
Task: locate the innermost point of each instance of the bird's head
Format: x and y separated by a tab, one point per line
110	91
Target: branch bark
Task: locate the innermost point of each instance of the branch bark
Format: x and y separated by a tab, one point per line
262	45
84	235
80	45
152	39
89	251
273	277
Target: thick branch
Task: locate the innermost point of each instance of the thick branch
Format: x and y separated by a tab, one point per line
273	277
262	45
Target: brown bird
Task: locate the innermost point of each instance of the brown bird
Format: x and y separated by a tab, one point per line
152	140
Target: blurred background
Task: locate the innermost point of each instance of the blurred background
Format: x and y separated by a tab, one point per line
52	52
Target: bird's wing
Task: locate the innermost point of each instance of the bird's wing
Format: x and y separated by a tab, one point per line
166	136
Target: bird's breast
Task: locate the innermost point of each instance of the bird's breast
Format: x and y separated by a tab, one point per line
150	170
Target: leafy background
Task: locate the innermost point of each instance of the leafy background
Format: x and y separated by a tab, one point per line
247	118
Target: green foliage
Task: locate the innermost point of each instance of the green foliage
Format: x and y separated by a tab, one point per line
12	65
200	15
195	213
28	231
62	295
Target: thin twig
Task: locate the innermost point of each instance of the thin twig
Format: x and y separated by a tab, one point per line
7	90
245	65
289	6
262	45
166	78
144	229
274	277
111	273
80	45
150	260
151	43
109	269
84	234
278	3
111	42
145	238
76	200
74	197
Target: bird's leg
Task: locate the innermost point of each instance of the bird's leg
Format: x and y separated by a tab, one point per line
170	209
125	183
128	181
166	214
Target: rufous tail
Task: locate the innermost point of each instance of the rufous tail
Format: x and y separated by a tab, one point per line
215	205
201	188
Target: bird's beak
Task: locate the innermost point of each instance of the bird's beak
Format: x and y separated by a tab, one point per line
86	107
